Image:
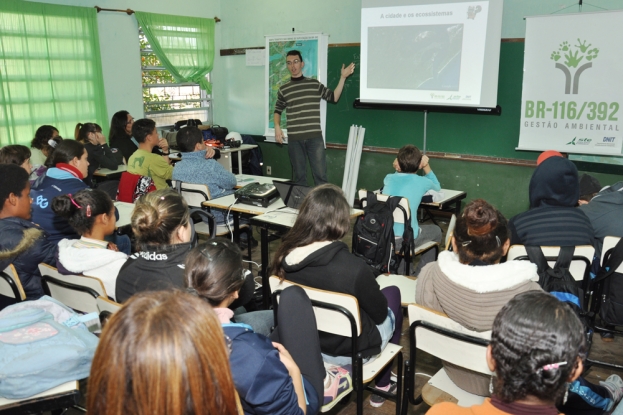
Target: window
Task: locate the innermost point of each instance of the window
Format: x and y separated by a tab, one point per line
50	69
166	101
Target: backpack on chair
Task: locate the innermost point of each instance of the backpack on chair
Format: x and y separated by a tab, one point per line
558	281
608	286
373	234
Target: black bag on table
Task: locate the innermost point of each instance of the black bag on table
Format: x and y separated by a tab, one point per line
216	132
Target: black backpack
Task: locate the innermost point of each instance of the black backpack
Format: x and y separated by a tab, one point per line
373	234
608	288
558	281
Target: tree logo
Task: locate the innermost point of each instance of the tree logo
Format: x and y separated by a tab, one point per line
572	142
573	56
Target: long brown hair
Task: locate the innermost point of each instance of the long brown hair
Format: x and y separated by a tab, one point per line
163	353
324	216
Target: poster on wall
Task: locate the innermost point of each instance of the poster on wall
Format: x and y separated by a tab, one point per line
573	84
313	48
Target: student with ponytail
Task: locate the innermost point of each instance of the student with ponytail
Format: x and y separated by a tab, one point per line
99	154
91	213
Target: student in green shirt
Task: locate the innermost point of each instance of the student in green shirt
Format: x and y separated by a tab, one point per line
143	161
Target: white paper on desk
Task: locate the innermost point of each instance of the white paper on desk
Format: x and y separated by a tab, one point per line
255	57
437	196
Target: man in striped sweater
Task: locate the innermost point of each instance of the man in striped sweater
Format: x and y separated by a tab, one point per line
301	98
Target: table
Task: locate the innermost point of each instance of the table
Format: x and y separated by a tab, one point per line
244	179
277	221
451	197
125	213
226	156
107	172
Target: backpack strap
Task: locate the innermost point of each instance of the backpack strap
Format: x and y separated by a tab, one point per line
614	261
371	198
565	256
535	253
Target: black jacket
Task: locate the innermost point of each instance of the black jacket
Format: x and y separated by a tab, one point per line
100	156
25	245
334	268
153	269
553	218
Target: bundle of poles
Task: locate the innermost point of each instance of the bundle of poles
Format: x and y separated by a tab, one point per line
353	158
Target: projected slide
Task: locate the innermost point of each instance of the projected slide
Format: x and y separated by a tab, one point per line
415	57
430	52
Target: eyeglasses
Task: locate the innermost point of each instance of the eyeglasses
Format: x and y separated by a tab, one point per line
294	62
130	122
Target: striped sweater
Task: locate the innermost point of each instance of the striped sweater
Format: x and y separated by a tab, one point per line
301	98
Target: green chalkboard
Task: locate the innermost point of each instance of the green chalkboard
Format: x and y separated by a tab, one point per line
495	136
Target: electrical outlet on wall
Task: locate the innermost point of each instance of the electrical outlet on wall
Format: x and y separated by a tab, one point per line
269	170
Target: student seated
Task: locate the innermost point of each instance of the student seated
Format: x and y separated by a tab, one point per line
120	136
69	166
271	378
160	222
91	213
143	161
312	254
16	154
405	182
537	350
99	154
22	243
552	219
46	138
163	353
469	284
198	167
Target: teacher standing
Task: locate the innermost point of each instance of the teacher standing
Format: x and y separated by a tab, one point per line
301	98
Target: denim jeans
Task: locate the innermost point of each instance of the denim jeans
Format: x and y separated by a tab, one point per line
312	149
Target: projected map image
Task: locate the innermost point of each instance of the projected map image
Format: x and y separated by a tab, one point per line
415	57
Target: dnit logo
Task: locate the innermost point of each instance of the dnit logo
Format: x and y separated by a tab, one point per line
573	56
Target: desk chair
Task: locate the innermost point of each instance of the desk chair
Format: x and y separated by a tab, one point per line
92	283
338	313
435	333
56	400
78	297
10	284
450	232
580	263
195	194
402	215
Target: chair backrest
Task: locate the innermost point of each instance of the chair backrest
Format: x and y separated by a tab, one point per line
132	186
93	283
399	214
194	194
10	284
450	231
78	297
437	334
104	304
328	321
609	243
580	264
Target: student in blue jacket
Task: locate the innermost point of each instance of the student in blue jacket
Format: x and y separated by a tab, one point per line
22	243
271	378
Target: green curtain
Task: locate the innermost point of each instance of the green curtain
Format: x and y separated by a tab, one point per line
184	45
50	69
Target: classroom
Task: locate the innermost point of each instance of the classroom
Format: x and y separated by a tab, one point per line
471	153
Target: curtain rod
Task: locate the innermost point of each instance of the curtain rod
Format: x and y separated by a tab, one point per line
131	12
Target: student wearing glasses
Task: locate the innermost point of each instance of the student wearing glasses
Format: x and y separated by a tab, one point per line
120	136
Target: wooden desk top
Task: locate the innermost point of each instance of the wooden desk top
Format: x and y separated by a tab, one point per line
108	172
